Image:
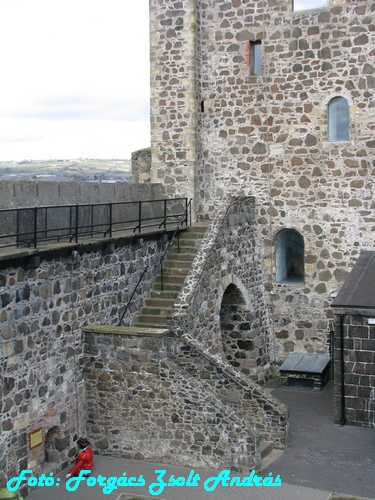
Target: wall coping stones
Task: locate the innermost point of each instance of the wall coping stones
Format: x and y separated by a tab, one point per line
135	331
19	256
263	395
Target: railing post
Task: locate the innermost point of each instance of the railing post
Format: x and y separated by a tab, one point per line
77	219
35	225
110	220
165	214
92	221
18	227
161	277
46	223
139	215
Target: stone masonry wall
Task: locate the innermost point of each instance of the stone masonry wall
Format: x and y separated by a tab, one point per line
267	136
359	369
42	313
184	398
142	405
173	57
141	166
15	194
223	304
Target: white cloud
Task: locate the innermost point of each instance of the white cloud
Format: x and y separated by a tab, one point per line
74	69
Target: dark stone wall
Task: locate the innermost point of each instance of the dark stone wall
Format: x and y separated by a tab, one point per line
43	311
359	368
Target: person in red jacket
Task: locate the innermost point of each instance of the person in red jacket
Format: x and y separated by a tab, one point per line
84	459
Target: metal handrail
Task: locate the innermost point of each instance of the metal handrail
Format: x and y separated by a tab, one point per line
183	218
35	225
132	295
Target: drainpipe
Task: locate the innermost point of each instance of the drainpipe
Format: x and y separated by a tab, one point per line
342	418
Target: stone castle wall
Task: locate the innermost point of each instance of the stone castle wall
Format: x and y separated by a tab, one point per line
141	166
173	57
267	135
122	389
42	314
223	304
15	194
157	398
190	398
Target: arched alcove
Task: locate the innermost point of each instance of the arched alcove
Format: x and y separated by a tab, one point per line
236	330
51	453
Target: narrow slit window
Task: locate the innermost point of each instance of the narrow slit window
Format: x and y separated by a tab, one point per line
338	119
256	57
309	4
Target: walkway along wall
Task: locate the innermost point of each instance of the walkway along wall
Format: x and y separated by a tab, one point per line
181	396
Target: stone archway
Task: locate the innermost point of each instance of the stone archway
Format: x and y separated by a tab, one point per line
244	334
239	347
52	453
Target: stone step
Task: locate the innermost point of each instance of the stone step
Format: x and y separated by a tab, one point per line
156	311
149	327
169	270
171	263
181	257
271	457
199	227
189	246
152	319
159	305
167	293
160	302
265	448
171	279
192	235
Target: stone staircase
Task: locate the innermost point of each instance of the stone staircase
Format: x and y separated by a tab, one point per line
159	305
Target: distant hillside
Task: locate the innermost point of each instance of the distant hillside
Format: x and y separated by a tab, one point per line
67	170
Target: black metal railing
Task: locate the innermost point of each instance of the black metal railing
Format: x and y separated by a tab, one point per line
185	218
32	226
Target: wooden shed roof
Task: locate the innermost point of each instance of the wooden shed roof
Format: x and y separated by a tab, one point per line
358	291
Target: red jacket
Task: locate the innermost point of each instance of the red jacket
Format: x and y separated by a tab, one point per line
83	461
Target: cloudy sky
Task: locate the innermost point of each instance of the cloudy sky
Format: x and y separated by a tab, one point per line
74	78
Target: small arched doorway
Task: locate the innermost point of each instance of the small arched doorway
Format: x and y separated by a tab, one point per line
236	328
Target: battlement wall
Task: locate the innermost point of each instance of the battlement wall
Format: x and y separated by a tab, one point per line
14	194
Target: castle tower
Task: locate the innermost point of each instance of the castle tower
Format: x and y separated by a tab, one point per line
174	125
263	98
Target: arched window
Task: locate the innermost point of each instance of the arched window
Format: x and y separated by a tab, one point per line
338	119
290	257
